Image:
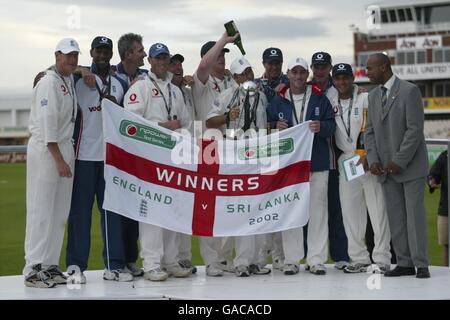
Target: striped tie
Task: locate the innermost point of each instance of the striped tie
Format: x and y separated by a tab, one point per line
383	97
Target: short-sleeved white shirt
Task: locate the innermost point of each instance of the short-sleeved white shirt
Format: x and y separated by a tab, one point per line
90	145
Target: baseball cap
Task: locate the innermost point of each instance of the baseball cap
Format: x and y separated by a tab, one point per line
321	58
208	45
67	45
158	48
101	41
271	54
239	65
342	68
177	57
298	62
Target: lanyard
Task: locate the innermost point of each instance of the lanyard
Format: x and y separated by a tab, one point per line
104	92
303	106
341	110
168	106
70	90
248	110
225	83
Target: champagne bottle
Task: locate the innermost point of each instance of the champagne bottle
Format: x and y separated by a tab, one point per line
231	28
360	149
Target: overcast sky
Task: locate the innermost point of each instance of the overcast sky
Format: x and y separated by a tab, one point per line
31	29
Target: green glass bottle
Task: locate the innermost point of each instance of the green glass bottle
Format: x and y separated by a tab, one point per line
231	28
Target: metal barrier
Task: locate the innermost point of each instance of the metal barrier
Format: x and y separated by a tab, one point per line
440	142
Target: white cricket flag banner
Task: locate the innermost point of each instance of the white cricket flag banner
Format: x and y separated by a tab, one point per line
211	188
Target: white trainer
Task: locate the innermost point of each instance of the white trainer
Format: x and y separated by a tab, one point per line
177	271
318	269
39	278
156	275
76	278
117	275
213	271
340	265
227	266
290	269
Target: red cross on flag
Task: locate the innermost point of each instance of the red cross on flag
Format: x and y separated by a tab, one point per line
206	188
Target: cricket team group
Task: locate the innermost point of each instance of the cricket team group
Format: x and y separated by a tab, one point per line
65	161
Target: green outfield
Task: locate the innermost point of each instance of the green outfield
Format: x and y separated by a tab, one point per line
12	225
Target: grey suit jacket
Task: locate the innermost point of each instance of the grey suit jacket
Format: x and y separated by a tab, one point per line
396	133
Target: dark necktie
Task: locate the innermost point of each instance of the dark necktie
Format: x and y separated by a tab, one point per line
383	97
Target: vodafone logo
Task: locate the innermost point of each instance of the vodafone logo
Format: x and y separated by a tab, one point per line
133	99
63	89
131	130
155	92
216	87
320	56
336	109
273	52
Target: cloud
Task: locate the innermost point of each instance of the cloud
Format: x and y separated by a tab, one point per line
282	27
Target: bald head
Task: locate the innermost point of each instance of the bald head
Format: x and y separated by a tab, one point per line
381	59
379	68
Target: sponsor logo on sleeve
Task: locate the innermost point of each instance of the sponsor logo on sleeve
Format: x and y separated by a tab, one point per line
64	90
336	110
133	99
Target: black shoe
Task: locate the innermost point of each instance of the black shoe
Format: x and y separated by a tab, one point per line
400	271
423	273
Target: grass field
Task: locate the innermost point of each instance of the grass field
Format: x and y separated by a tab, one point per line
12	225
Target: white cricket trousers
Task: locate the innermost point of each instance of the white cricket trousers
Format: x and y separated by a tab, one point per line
269	244
245	247
210	250
152	245
48	204
184	243
317	226
357	196
245	250
158	246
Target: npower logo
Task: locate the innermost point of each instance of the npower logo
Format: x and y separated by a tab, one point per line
146	134
283	146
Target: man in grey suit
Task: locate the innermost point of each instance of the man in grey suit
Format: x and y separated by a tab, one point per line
397	154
